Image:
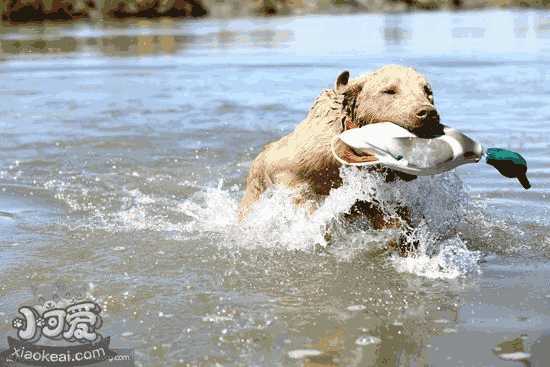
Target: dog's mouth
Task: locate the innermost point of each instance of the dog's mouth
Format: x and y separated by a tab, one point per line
428	131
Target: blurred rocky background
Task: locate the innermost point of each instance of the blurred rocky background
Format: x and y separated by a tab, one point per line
39	10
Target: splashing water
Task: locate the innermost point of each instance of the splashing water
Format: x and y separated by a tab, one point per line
438	204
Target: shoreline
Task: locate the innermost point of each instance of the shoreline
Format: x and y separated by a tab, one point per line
14	12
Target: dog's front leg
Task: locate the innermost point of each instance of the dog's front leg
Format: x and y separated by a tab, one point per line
379	220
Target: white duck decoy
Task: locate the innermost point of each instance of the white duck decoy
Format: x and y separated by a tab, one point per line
401	150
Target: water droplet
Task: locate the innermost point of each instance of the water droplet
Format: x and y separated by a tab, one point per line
367	340
357	308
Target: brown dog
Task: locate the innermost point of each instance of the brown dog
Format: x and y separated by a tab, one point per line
303	160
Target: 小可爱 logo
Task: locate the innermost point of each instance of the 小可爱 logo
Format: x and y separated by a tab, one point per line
70	329
73	322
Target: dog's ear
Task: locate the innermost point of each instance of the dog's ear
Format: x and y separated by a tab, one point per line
350	93
342	80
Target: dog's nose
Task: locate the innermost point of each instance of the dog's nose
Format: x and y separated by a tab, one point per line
428	114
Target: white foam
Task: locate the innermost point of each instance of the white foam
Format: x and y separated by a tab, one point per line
515	356
303	353
438	203
447	259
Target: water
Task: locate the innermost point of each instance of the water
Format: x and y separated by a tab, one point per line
124	151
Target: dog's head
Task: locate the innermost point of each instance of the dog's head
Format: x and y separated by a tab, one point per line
392	93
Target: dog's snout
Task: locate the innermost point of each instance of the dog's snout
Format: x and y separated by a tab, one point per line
427	120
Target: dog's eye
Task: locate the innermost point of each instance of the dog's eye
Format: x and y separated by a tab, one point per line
389	91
